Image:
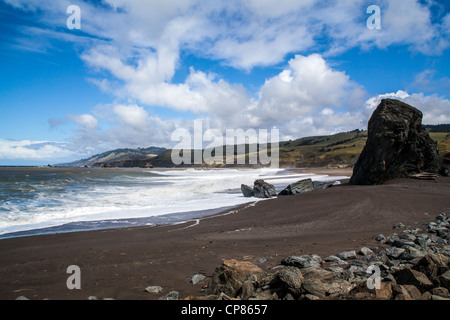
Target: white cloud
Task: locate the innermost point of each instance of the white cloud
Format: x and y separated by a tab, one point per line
314	92
435	109
85	120
132	115
36	150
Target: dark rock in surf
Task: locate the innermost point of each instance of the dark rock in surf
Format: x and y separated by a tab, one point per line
262	189
301	186
246	191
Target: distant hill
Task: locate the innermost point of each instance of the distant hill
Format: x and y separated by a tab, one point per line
341	149
438	128
116	156
338	150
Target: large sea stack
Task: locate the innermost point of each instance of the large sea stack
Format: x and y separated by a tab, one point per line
397	146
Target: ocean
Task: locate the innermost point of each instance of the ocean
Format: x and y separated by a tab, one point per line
36	200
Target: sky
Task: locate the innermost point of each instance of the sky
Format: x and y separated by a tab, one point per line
128	73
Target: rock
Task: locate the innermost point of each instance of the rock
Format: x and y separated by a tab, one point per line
398	225
291	279
323	283
385	291
196	278
433	265
262	260
380	237
357	267
394	252
246	191
154	289
413	292
230	276
411	253
305	261
444	279
442	292
347	255
172	295
332	258
426	296
322	184
262	189
247	290
365	251
301	186
401	243
397	146
413	277
22	298
399	290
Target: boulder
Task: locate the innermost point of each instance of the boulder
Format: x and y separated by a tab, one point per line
262	189
322	184
246	191
444	279
347	255
301	186
291	279
305	261
433	265
230	276
196	278
322	283
397	146
365	251
413	277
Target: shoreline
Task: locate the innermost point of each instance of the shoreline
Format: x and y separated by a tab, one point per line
121	263
154	220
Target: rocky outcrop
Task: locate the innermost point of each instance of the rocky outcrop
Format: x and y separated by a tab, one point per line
397	146
261	189
301	186
304	186
389	272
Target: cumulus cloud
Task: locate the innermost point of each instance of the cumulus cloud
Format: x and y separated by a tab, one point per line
435	109
46	151
85	120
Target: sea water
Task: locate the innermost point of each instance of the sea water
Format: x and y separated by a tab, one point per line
53	200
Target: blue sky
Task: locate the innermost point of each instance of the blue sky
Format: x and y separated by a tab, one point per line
138	69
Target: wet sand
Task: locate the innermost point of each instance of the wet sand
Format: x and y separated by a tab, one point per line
121	263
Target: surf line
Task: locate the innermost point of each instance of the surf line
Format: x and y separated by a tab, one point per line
197	221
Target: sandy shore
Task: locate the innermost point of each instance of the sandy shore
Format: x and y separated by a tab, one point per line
121	263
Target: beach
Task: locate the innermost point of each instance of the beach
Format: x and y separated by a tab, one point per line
121	263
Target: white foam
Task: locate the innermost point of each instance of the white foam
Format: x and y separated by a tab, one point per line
148	194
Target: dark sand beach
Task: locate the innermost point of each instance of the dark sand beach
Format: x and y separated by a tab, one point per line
121	263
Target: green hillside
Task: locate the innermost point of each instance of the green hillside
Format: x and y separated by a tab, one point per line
116	155
338	150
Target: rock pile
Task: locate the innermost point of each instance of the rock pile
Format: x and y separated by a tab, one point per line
413	264
262	189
